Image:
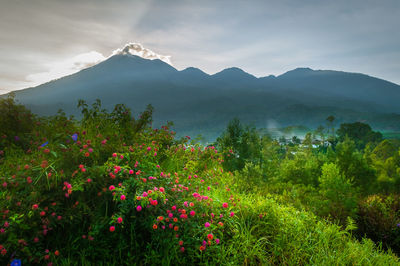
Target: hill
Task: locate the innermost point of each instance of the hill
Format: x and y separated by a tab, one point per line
201	103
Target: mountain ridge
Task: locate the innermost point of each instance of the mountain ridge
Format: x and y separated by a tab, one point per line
196	101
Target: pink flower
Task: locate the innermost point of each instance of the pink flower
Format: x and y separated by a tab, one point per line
232	213
225	205
192	213
89	180
111	188
207	224
35	206
162	189
119	220
144	194
217	241
131	172
5	184
139	208
112	228
114	155
123	197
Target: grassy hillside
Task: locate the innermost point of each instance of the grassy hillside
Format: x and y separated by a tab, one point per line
108	189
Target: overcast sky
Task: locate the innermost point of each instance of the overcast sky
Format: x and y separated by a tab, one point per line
43	39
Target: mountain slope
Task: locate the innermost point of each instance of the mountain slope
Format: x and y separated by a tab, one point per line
200	103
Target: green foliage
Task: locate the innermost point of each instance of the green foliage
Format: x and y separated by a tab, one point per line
109	189
360	133
354	166
242	144
339	199
379	219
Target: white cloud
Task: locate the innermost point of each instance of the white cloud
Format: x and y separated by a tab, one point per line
85	60
139	50
66	67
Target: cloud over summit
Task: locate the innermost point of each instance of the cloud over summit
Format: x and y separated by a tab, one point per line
139	50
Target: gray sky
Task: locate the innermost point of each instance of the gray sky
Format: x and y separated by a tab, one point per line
43	39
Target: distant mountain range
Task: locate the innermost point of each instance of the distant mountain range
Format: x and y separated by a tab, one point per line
199	103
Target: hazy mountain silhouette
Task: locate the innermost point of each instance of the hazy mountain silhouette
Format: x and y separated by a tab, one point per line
201	103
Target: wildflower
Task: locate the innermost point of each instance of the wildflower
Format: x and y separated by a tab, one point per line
225	205
42	213
154	202
89	180
123	197
112	228
145	194
207	224
162	189
217	241
3	251
192	213
202	248
231	214
35	206
176	228
131	172
114	155
87	154
139	208
111	188
180	242
182	249
56	252
210	236
119	220
154	226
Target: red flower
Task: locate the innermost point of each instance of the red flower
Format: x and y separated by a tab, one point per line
112	228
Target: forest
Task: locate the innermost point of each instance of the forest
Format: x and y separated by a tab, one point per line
108	189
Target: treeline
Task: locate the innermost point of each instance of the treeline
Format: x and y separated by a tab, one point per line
348	173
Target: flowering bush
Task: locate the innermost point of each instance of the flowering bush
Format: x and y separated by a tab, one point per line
87	189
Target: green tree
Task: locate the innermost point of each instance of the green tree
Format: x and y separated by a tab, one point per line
353	165
338	194
241	144
360	133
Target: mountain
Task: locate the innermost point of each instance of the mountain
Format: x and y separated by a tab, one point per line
201	103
